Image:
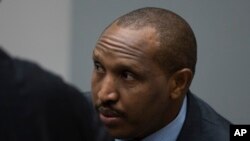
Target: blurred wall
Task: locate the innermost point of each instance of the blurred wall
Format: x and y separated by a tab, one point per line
38	30
222	29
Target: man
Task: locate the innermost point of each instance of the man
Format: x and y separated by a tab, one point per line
36	105
144	63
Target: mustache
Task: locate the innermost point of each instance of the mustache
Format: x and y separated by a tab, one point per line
108	110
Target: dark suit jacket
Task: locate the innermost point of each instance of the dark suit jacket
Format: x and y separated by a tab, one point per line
203	123
36	105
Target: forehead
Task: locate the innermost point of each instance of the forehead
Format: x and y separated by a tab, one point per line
119	46
135	42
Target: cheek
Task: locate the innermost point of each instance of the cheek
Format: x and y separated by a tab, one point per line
94	86
144	100
93	80
142	109
136	100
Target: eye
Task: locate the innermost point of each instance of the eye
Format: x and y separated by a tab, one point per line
98	67
126	75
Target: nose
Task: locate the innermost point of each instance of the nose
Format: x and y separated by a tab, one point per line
108	91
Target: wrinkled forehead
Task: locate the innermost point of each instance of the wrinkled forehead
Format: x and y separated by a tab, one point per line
143	40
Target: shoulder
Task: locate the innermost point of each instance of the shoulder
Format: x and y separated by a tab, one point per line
208	114
203	123
32	77
213	125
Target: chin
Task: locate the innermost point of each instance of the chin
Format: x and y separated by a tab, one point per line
120	133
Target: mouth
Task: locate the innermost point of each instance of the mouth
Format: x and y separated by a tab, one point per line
109	116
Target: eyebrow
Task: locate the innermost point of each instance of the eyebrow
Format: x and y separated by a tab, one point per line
125	66
96	54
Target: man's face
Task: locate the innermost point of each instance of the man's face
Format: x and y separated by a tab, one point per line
130	90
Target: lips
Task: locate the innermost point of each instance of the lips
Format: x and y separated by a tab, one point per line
109	116
108	112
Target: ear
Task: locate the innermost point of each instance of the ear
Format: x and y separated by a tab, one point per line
180	82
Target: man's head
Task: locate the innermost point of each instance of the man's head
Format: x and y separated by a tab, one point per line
143	65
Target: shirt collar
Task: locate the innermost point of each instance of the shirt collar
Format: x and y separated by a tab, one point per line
171	131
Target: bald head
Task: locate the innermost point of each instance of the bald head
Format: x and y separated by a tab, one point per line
177	47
